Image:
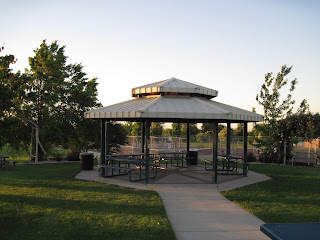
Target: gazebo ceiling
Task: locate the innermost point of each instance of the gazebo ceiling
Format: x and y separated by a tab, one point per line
173	100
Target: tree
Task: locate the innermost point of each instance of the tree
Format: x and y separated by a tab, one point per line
239	130
156	128
55	95
167	132
176	129
269	96
136	129
11	95
6	94
128	127
274	110
223	133
209	127
193	129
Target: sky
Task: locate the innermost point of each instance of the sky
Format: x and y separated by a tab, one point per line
225	45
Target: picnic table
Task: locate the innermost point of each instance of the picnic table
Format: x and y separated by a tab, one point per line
177	157
3	162
292	231
229	163
118	165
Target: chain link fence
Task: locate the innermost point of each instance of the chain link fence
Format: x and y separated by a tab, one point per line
204	145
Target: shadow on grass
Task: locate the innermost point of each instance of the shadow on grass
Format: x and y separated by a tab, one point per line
46	202
291	196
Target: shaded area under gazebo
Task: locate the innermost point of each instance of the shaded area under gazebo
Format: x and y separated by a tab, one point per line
174	100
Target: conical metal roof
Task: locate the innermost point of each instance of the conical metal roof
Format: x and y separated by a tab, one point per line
174	108
173	86
173	100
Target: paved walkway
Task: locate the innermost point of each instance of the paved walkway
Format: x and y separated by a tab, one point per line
195	207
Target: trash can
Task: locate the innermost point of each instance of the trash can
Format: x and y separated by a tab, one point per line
86	161
193	156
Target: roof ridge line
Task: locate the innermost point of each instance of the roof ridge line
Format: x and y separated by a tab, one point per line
213	107
146	107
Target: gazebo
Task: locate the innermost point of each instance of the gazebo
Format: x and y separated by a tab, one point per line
174	100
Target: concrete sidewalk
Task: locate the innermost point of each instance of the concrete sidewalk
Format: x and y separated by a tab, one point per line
195	208
199	211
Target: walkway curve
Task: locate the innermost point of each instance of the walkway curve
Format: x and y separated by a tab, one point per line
199	211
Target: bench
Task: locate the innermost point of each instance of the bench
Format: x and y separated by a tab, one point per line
302	158
205	164
128	170
4	162
229	163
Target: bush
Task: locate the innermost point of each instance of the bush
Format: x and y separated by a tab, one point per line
73	155
57	156
251	157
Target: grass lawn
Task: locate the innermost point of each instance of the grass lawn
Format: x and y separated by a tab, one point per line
19	157
46	202
293	194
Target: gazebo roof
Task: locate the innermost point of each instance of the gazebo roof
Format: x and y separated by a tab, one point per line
173	100
174	85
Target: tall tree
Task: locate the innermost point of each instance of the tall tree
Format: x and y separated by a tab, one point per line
275	109
269	96
57	95
11	95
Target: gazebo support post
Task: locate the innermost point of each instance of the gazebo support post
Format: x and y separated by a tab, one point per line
245	148
228	138
188	137
215	153
147	152
143	136
108	138
103	145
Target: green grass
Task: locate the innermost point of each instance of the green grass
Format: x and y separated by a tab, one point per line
13	154
46	202
293	194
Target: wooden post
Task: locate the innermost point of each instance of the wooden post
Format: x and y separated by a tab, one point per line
245	148
215	153
147	152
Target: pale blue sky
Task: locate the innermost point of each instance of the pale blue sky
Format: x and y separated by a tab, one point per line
225	45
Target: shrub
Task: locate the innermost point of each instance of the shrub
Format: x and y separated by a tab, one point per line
251	157
73	155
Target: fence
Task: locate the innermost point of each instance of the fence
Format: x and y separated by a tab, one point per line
204	145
